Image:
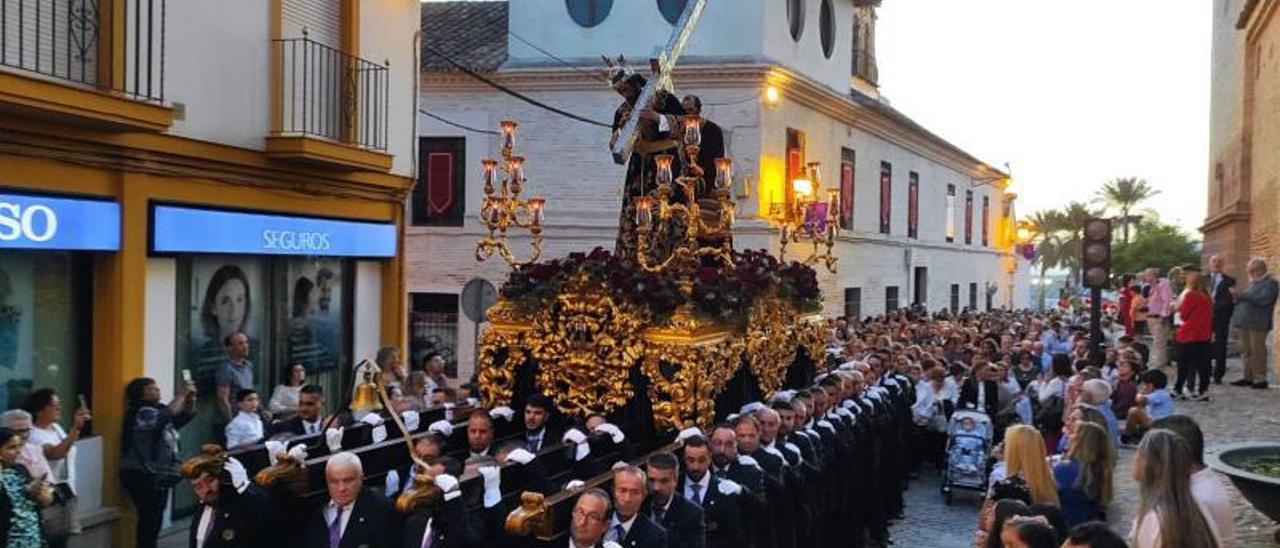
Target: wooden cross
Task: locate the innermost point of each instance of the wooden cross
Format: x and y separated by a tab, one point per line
661	64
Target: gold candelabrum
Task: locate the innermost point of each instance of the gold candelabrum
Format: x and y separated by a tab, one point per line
812	221
699	236
503	209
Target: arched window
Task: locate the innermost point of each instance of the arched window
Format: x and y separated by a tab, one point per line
827	28
588	13
795	18
671	9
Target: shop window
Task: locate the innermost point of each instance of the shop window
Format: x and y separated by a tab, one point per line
433	329
795	18
439	198
853	302
45	309
891	299
588	13
827	28
847	160
672	9
886	196
973	296
293	309
955	298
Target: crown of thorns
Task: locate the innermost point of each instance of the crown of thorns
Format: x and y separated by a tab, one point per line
618	71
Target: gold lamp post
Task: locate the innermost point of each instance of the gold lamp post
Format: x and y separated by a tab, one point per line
811	220
503	208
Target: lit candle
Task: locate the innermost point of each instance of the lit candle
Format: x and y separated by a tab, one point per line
644	215
724	173
536	207
508	135
515	165
495	210
663	163
692	130
490	174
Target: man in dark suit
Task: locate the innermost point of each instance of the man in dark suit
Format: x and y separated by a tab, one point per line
227	516
353	516
449	526
718	497
629	527
537	411
981	392
589	521
1224	305
682	519
480	436
310	418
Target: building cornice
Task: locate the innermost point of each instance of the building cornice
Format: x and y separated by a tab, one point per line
738	74
1222	219
1254	16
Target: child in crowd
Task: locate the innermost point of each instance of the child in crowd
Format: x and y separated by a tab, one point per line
966	448
1125	388
1152	403
246	427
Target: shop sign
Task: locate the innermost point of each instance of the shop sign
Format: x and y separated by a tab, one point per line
38	222
189	230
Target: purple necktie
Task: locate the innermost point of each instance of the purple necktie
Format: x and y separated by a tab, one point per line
335	529
427	537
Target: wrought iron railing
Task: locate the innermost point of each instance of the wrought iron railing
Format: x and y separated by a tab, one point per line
65	39
329	94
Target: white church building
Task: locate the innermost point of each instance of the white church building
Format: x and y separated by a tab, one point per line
789	81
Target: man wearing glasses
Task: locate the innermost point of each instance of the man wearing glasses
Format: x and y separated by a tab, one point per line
587	528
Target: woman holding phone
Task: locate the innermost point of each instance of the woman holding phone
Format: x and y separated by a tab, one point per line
58	444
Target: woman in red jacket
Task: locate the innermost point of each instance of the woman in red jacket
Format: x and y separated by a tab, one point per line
1195	308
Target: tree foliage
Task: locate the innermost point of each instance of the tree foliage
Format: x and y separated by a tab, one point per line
1122	196
1162	246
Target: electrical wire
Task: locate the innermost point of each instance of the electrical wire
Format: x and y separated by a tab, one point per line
447	121
733	102
576	68
512	92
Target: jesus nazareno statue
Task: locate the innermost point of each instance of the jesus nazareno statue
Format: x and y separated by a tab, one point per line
657	133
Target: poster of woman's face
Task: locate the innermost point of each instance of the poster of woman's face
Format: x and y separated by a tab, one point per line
226	298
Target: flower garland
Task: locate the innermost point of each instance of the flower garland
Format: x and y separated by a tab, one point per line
719	293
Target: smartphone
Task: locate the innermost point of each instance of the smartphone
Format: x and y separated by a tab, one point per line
84	403
186	376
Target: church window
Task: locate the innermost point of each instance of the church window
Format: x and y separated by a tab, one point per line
827	28
671	9
795	18
588	13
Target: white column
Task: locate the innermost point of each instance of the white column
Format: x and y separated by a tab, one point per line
367	319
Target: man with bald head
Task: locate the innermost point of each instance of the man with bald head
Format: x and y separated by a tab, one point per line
1224	304
353	516
1254	307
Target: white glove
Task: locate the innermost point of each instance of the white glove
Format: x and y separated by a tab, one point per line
581	451
613	431
687	433
492	485
795	450
574	436
751	408
775	452
379	433
411	420
746	460
521	456
827	425
503	411
444	428
732	417
574	485
372	419
846	404
844	412
392	483
448	411
333	437
274	450
449	486
729	487
299	453
473	402
239	476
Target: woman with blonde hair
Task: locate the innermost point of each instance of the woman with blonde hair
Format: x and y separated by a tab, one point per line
1195	309
1024	457
1084	476
1168	514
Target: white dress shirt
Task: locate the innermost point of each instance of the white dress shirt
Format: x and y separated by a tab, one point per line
311	427
705	484
245	429
206	519
331	510
626	528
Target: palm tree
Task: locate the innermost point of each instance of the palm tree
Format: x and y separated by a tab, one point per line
1047	226
1123	195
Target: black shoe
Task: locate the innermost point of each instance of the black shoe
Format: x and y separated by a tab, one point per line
1241	382
1259	385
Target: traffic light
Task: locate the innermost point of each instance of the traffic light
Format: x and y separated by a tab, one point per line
1096	263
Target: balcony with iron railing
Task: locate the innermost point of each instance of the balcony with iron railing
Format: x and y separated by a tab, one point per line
98	63
332	107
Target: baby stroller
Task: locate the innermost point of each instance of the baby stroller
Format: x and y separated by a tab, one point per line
968	446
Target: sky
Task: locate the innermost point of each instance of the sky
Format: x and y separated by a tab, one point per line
1071	94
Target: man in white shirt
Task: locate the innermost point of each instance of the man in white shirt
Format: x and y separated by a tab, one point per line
1205	487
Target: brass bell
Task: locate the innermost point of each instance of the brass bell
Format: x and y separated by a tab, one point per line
366	396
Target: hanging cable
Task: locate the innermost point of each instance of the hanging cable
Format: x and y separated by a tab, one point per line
559	60
512	92
733	102
447	121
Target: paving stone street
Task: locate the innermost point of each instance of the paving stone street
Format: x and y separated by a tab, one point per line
1234	415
